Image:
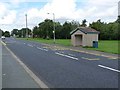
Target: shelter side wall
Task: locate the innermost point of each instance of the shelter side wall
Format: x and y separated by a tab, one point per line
90	38
73	40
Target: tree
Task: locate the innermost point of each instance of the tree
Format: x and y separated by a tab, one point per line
75	24
35	31
14	32
58	30
22	32
1	32
84	23
45	29
107	31
66	29
7	34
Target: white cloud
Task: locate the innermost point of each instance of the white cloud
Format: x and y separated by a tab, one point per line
9	18
106	10
91	10
6	16
3	9
119	8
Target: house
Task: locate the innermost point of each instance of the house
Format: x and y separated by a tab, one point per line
84	36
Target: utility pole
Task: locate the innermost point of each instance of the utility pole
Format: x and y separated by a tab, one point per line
53	26
26	27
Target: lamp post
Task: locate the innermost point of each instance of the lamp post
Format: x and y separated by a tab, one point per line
26	26
53	26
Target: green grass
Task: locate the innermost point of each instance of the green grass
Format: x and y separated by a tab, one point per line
110	46
65	42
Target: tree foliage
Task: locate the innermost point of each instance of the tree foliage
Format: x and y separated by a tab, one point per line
84	23
1	32
107	31
7	34
45	29
21	32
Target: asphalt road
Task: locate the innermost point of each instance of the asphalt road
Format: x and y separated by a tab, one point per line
13	74
63	68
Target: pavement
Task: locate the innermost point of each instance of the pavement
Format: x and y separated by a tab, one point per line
0	66
13	74
67	67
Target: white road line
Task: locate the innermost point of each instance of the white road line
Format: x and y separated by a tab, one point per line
45	49
39	48
3	42
108	68
66	56
30	45
42	49
71	54
90	58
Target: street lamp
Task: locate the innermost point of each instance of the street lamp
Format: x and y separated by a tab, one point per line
26	26
53	26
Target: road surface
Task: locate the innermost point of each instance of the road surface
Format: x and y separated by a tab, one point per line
62	68
13	74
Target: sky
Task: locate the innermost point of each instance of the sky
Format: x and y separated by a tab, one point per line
12	12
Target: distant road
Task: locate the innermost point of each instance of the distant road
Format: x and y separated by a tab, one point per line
62	68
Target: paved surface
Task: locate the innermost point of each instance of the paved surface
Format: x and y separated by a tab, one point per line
0	65
13	74
61	67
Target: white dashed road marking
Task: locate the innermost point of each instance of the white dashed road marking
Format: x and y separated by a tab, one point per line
42	49
45	49
71	54
108	68
30	45
66	56
90	58
39	48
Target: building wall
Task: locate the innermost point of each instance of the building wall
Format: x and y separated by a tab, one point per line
74	40
78	40
87	39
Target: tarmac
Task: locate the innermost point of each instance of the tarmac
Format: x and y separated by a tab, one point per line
13	74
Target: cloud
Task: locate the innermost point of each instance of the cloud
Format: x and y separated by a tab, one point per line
68	9
119	8
3	9
6	16
9	18
91	10
106	10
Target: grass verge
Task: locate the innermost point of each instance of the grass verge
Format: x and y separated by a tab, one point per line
65	42
110	46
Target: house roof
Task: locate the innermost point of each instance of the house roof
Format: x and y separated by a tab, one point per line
86	30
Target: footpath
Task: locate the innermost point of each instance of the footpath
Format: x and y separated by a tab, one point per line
13	74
